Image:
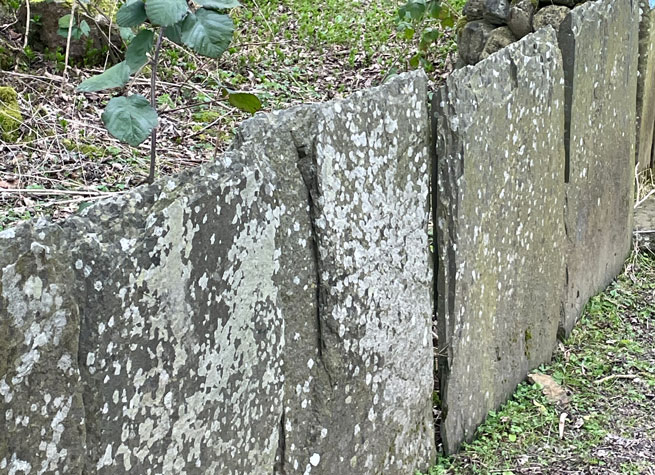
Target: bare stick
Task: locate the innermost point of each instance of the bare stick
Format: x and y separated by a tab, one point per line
68	38
27	24
617	376
153	103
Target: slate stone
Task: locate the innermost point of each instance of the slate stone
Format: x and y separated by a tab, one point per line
599	44
552	15
496	12
472	41
474	9
646	87
42	413
520	18
645	225
158	311
358	350
499	227
498	39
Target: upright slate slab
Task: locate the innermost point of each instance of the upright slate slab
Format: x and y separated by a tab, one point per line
353	179
152	337
499	227
41	408
599	44
646	87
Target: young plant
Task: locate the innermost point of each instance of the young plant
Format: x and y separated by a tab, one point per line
206	30
414	17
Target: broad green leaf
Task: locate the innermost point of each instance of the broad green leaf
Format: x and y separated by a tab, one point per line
218	4
207	32
244	101
429	36
84	28
166	12
65	21
434	9
131	14
415	60
174	33
413	10
116	76
126	34
137	51
130	119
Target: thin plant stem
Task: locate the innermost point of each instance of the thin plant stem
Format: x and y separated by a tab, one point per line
153	103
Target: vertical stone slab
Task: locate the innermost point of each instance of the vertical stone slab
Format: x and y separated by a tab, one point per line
41	410
599	44
646	87
500	230
181	343
353	179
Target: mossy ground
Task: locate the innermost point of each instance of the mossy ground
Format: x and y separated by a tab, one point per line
10	116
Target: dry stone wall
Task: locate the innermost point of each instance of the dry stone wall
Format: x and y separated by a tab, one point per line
271	313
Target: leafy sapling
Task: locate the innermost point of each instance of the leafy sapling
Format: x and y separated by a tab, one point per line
206	29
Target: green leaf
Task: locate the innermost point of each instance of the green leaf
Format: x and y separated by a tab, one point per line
429	36
166	12
126	33
415	60
116	76
64	22
130	119
207	33
512	437
434	9
245	101
84	28
174	32
136	54
131	14
218	4
413	10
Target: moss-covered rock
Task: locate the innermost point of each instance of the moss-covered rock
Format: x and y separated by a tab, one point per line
10	116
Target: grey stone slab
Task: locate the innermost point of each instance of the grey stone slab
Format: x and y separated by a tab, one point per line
41	409
499	227
496	12
181	341
645	224
646	87
358	351
599	44
152	335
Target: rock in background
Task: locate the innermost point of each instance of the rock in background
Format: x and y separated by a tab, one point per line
500	228
488	21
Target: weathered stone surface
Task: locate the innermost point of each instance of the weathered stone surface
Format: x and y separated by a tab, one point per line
646	87
472	40
41	409
357	394
552	15
496	11
520	18
165	298
645	224
599	44
474	9
500	230
498	39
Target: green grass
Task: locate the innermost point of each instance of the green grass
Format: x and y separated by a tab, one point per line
608	366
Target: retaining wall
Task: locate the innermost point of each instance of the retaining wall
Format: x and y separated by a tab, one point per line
272	312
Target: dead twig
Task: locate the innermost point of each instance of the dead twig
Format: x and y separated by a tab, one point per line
616	376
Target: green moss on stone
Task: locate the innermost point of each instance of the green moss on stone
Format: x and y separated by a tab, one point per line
10	116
